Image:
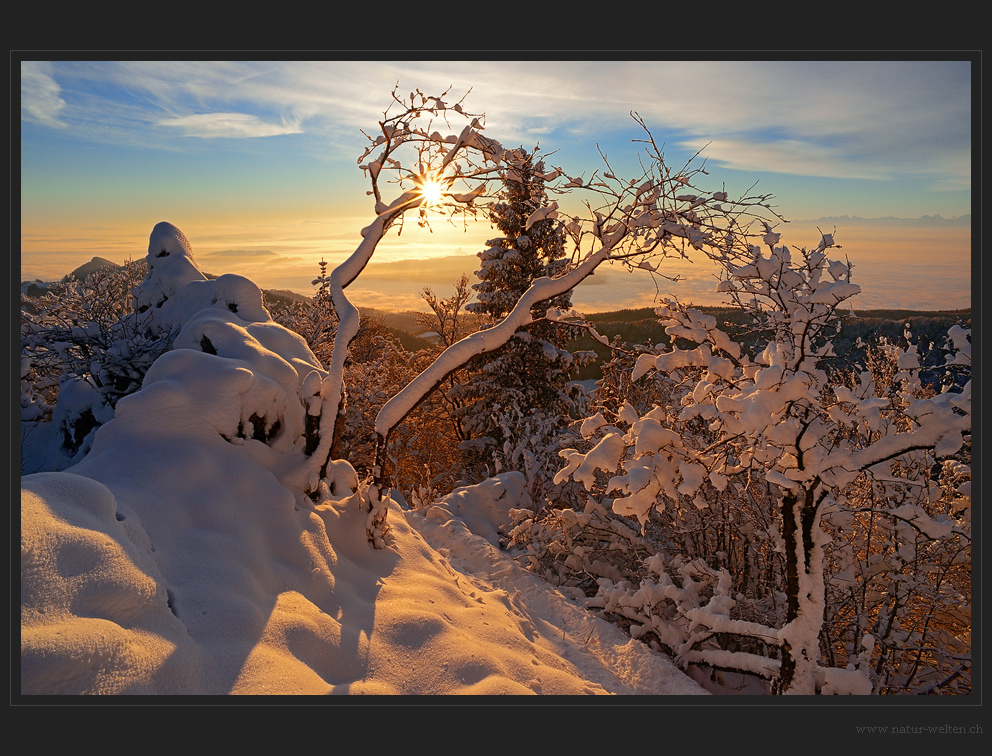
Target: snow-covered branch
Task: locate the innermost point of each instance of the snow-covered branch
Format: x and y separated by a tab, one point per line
459	353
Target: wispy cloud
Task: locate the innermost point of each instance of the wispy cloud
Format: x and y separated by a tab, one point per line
822	118
232	125
41	100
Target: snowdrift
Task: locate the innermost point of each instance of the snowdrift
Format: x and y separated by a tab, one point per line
155	583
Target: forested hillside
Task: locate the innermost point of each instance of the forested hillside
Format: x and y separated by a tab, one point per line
641	326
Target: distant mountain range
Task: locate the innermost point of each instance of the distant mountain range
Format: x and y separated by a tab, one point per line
923	220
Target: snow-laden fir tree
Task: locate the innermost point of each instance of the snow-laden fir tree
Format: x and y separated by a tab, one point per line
518	396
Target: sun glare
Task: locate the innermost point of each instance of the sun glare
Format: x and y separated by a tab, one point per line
432	191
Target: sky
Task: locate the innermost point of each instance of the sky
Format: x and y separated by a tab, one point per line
256	160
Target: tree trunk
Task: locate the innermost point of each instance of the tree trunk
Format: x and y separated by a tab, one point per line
804	594
376	528
792	567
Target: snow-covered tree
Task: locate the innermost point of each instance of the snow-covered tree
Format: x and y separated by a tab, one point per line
637	221
776	425
520	391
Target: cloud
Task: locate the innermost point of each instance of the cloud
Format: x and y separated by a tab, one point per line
41	100
230	125
801	157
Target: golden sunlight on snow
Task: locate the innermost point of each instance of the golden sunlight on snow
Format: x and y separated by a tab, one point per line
439	612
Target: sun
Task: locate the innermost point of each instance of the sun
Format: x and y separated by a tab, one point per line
432	190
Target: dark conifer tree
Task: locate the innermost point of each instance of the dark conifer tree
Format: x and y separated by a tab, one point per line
521	388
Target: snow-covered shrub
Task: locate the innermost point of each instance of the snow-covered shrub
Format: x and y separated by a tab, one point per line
83	348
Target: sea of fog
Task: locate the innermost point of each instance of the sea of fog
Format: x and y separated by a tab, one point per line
905	267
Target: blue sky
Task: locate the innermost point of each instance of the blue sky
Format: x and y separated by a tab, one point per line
260	156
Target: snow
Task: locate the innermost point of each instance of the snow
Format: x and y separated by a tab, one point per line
180	556
171	564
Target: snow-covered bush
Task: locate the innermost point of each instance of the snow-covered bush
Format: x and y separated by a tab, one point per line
83	347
